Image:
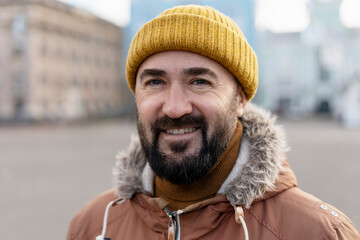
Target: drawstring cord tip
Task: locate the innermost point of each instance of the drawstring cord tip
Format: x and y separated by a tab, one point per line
239	218
171	233
239	211
102	238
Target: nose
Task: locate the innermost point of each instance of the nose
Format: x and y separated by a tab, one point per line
177	103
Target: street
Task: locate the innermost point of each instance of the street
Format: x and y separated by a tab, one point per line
48	172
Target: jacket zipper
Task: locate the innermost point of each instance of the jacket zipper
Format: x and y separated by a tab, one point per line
174	224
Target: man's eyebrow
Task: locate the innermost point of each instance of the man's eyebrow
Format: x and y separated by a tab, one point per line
194	71
154	72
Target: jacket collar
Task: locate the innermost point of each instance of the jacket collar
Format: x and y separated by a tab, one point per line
260	171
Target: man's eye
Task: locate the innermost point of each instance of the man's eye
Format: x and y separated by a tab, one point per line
154	82
201	82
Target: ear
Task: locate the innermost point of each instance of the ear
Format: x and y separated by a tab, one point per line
241	101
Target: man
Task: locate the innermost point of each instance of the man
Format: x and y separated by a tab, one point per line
208	165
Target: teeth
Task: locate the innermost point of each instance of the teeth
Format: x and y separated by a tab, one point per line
180	131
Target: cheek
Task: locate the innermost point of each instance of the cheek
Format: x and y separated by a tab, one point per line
214	109
147	108
145	119
210	106
210	110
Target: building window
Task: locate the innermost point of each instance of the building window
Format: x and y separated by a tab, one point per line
86	58
75	82
97	60
44	49
96	84
19	84
45	105
59	83
58	52
324	74
73	55
43	78
19	29
86	84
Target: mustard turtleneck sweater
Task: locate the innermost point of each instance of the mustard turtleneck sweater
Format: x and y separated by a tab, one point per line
181	196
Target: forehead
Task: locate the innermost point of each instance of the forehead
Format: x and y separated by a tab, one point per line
174	62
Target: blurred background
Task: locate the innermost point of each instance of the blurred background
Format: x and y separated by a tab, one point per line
65	109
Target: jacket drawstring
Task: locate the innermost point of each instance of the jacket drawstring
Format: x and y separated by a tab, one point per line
174	224
239	218
112	203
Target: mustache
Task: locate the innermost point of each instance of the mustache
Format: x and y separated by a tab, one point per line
184	121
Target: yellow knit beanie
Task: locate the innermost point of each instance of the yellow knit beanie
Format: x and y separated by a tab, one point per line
198	29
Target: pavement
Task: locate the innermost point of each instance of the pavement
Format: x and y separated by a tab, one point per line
48	172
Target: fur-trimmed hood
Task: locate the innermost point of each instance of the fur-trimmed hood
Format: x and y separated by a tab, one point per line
256	172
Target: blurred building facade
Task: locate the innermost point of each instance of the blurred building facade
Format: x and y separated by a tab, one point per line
311	71
57	62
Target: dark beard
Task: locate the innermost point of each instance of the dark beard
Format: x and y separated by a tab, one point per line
190	168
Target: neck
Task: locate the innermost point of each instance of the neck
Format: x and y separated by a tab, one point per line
181	196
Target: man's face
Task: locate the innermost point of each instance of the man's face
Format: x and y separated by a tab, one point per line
187	109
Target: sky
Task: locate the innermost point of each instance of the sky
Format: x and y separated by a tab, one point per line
270	14
349	12
116	11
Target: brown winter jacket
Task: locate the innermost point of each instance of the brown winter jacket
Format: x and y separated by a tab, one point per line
261	182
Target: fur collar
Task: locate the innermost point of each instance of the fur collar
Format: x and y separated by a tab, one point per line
263	146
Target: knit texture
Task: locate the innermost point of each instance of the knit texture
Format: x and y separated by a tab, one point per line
198	29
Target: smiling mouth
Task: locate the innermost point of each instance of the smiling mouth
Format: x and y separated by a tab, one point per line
180	131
